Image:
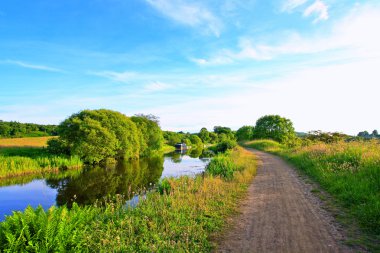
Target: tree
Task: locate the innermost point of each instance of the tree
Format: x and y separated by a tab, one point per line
224	133
375	133
275	127
151	138
213	137
204	135
244	133
196	141
95	135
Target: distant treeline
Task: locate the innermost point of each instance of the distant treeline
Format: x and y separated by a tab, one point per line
367	135
219	134
15	129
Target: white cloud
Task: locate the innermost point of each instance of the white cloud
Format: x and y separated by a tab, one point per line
290	5
319	9
31	66
350	37
341	97
190	14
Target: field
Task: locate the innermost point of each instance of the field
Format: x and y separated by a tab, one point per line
349	171
181	216
25	142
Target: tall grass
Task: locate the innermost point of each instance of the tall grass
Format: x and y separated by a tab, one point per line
182	219
22	161
349	171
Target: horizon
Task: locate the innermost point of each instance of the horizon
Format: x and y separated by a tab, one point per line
193	64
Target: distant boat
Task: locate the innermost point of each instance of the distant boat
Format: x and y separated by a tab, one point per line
180	146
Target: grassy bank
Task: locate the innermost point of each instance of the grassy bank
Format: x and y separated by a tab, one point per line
182	219
350	172
25	142
23	161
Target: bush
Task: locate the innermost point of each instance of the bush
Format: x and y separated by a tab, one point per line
225	145
223	166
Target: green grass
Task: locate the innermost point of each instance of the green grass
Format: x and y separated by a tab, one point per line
22	161
350	172
182	218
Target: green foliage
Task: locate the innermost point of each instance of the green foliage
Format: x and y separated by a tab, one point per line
222	165
224	133
173	138
245	133
95	135
213	137
164	187
326	137
151	138
57	147
274	127
15	129
366	135
223	146
204	135
196	141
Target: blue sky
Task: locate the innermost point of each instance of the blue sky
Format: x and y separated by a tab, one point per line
193	63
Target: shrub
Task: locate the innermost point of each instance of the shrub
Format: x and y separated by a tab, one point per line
223	166
225	145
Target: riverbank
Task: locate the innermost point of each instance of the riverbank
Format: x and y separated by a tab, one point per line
20	161
183	218
33	159
349	172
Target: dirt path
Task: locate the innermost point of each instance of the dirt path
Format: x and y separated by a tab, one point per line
281	215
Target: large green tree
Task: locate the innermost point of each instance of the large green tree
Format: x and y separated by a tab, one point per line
244	133
204	135
275	127
95	135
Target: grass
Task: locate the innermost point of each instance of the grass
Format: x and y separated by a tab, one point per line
181	219
25	161
349	171
25	142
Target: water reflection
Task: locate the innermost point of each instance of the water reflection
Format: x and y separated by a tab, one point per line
88	185
97	183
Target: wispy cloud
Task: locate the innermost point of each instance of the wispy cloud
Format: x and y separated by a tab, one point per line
157	86
122	77
190	14
290	5
319	9
32	66
353	36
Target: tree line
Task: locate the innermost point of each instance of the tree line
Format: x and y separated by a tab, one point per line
13	129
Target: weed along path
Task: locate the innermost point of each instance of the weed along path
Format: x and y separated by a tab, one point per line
280	215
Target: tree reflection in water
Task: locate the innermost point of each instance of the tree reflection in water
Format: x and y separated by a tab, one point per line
97	183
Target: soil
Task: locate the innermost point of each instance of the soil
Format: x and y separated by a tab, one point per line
280	214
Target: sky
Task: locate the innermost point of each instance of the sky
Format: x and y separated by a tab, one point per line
194	64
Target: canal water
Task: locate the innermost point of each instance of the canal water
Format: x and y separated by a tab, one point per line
89	185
